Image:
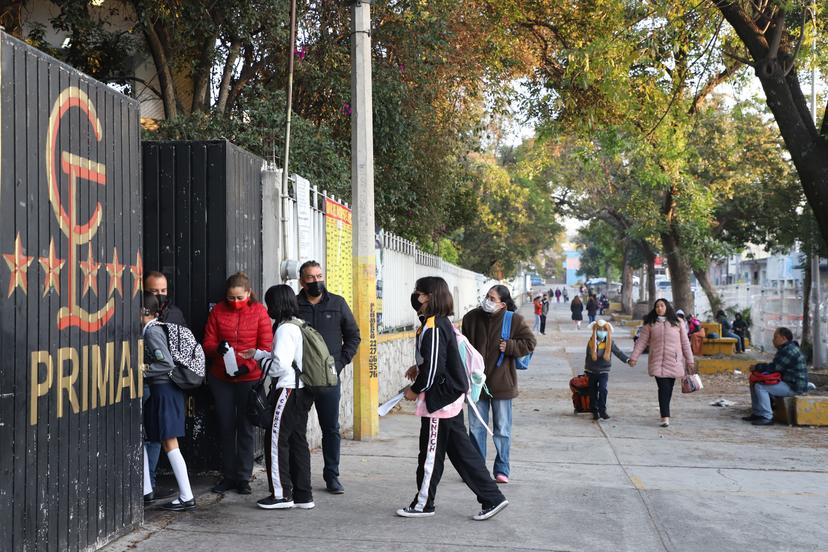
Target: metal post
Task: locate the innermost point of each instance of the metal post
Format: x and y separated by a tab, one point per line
366	380
289	109
816	293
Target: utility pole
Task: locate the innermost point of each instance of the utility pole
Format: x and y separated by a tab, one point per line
289	109
816	293
366	380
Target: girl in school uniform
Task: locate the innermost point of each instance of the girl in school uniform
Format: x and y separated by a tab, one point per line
164	409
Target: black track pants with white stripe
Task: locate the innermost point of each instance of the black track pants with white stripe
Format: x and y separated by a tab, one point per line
441	436
287	458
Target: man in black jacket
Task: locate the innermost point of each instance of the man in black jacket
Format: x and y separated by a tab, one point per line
156	283
330	315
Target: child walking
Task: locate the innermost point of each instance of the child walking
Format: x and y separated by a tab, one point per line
597	366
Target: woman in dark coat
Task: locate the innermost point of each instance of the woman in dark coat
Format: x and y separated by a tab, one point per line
577	308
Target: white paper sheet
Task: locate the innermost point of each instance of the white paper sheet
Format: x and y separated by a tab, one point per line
386	407
230	365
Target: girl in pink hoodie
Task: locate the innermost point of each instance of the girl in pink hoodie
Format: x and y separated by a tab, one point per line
670	356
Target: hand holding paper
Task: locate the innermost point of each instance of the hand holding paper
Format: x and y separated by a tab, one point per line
230	365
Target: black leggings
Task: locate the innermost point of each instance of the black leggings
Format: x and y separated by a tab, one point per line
665	393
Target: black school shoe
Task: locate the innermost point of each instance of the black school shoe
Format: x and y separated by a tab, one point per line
179	505
223	486
762	422
491	511
243	488
604	416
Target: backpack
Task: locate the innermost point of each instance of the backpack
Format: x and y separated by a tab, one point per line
187	355
475	368
521	363
318	365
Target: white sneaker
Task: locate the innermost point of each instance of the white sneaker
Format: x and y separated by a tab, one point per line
305	505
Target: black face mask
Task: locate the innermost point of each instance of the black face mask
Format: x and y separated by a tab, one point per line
314	289
415	301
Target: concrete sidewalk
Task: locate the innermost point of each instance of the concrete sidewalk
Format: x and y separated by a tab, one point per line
708	482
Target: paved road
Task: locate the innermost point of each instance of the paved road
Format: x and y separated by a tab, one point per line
709	482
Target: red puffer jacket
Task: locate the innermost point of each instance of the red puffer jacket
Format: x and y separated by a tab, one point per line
248	328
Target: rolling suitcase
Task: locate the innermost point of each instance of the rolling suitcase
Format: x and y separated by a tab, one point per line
579	385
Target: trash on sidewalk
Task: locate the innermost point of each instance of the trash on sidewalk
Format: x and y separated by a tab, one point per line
722	402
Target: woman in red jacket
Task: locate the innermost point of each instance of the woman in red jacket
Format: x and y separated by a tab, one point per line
239	323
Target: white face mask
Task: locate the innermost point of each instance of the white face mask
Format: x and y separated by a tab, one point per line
490	306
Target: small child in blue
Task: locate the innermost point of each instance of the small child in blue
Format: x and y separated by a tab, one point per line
597	366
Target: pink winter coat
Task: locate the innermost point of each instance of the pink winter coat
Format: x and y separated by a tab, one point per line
670	349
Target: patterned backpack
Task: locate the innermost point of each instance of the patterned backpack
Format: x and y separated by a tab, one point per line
188	356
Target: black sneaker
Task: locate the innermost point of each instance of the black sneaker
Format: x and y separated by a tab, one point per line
751	418
273	503
410	512
491	511
223	486
333	486
604	416
594	415
762	422
179	505
243	488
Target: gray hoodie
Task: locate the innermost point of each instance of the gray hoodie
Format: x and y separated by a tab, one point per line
600	365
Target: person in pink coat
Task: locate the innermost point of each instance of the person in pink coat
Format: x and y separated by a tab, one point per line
670	355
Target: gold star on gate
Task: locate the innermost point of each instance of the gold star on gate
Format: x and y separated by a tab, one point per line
137	271
90	273
51	267
116	274
18	264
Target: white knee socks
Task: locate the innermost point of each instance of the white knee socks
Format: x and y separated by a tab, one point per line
147	480
179	467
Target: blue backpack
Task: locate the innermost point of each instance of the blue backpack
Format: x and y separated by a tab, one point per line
521	363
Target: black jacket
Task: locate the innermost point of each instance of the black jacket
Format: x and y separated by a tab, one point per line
332	318
440	374
600	365
173	315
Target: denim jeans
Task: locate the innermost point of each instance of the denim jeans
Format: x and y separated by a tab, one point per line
501	427
536	327
740	347
760	395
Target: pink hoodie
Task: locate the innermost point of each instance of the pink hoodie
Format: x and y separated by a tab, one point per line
670	349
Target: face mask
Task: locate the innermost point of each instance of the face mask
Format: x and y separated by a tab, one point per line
490	306
415	301
314	289
602	335
239	305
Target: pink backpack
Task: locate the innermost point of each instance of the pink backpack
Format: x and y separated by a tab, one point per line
475	371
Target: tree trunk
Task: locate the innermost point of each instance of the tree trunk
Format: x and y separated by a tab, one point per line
651	283
641	284
626	283
712	295
806	302
202	75
808	149
227	77
162	67
679	273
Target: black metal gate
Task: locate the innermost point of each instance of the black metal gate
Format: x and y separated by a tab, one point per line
202	222
70	274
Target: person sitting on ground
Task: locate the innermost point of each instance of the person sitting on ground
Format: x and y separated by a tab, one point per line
727	330
789	363
740	328
597	364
